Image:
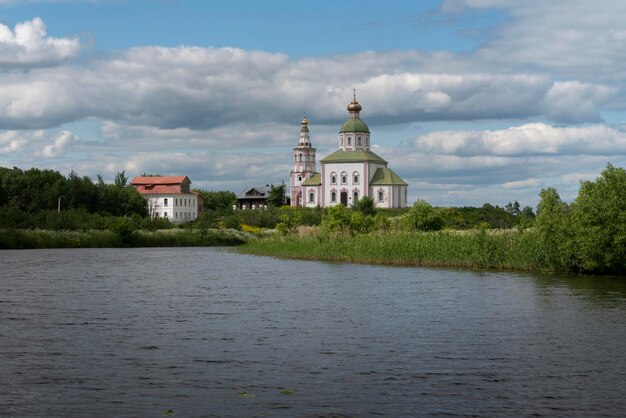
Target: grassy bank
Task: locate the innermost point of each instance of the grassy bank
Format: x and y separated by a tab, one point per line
23	239
478	249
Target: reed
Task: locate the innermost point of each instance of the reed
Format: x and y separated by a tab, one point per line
476	249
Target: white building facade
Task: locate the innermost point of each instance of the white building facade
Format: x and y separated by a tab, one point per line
169	197
348	174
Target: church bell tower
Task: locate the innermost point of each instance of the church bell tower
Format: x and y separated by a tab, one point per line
303	164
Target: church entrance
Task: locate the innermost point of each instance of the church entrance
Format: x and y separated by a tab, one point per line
344	198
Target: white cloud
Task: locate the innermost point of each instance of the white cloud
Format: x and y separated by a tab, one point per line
204	88
62	142
522	184
528	139
28	45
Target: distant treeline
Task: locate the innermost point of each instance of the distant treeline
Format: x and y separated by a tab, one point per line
34	190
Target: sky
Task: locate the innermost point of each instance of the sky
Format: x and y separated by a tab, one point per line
470	101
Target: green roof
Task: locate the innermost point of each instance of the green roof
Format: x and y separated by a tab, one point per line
304	129
358	155
314	180
354	125
386	176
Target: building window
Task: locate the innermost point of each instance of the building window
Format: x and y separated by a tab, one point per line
299	178
381	196
333	197
344	178
333	178
355	178
358	141
349	141
312	197
165	202
355	196
165	214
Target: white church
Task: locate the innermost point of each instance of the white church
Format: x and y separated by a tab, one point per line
348	174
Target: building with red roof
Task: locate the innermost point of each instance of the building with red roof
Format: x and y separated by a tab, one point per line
169	197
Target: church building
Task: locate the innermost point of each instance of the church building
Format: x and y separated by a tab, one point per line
346	175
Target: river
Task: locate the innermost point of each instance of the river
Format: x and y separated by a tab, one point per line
203	332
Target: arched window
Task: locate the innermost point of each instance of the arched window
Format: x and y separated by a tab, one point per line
299	178
381	196
344	178
358	141
333	197
355	196
333	178
349	141
355	177
312	197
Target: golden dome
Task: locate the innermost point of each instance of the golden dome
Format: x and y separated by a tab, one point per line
305	121
354	106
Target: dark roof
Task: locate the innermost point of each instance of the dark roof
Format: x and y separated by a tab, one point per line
255	193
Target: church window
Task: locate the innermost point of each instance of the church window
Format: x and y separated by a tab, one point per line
165	202
312	197
358	141
344	178
355	177
333	197
381	196
355	196
299	178
349	141
333	178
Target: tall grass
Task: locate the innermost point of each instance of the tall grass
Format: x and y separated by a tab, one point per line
23	239
478	249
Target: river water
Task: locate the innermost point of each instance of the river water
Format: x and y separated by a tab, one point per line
203	332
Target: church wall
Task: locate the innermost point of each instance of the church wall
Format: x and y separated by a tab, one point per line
350	186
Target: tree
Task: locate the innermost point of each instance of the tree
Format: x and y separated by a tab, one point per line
599	222
553	223
365	205
220	201
120	179
276	196
423	217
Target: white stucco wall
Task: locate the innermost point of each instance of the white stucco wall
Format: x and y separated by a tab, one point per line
179	208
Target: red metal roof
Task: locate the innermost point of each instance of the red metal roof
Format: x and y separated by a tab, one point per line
160	189
139	180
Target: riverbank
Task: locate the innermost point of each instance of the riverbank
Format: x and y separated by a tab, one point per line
478	249
35	239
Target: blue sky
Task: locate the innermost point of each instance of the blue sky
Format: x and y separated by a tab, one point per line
471	101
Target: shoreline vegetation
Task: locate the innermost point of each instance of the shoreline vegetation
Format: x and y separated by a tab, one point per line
511	250
38	239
